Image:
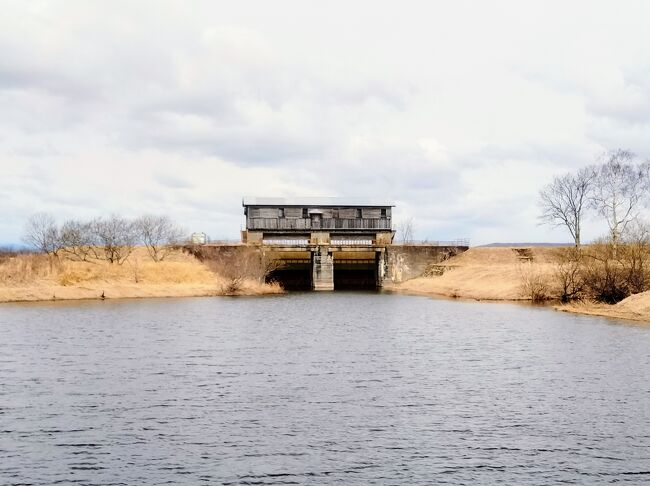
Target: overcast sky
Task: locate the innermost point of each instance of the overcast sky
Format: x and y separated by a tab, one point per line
458	111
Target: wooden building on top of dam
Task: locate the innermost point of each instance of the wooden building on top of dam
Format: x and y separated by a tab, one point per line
317	221
327	243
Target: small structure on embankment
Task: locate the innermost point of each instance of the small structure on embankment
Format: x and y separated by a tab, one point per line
330	243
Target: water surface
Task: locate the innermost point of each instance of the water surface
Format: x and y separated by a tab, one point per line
308	388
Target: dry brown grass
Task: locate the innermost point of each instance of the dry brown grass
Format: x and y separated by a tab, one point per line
496	274
635	308
487	274
27	268
39	277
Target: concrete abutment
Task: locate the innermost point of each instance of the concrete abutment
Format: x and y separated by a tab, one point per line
324	267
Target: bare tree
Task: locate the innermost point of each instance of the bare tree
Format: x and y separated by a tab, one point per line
564	200
159	234
405	230
42	234
618	187
117	236
77	239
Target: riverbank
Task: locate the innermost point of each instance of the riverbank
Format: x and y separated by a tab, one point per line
483	274
497	274
493	274
27	277
634	308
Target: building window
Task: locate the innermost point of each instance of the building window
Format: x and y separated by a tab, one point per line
281	212
358	213
305	213
335	213
383	213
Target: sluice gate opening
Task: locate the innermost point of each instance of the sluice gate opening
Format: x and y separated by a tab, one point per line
346	274
355	274
294	274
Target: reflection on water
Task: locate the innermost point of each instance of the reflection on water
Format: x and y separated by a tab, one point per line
347	388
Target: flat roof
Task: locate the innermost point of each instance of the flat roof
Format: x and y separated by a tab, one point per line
316	201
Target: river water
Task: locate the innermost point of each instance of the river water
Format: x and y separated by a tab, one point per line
331	388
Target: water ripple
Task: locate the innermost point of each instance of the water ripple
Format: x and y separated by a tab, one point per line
340	388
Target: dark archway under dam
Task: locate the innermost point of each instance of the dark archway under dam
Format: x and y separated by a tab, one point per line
297	274
355	274
292	275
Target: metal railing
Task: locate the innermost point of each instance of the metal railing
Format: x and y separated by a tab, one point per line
305	242
293	261
343	242
350	242
324	224
285	241
457	242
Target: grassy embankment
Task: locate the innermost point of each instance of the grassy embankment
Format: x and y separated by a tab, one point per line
480	273
30	277
497	274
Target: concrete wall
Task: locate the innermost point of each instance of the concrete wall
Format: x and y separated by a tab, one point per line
404	262
397	263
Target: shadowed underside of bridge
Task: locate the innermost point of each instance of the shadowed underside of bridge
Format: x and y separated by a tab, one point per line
292	274
349	270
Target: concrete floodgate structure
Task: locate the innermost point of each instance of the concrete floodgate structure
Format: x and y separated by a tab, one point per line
342	242
326	244
334	243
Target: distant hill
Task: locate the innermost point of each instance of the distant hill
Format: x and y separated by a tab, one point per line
497	245
13	247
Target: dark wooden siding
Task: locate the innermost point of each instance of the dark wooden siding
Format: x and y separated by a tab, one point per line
328	223
371	213
293	213
346	218
347	213
269	212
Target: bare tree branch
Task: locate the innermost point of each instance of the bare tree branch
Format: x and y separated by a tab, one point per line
42	234
77	239
405	230
564	200
159	234
117	236
618	189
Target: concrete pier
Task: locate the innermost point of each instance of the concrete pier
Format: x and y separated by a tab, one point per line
322	269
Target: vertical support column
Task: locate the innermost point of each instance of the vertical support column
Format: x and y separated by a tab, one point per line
380	267
322	269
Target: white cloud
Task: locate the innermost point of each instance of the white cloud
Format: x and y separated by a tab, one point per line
458	111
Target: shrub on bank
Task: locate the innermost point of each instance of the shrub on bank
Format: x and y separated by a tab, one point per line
606	271
534	283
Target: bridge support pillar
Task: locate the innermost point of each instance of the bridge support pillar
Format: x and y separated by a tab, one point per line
380	268
322	269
